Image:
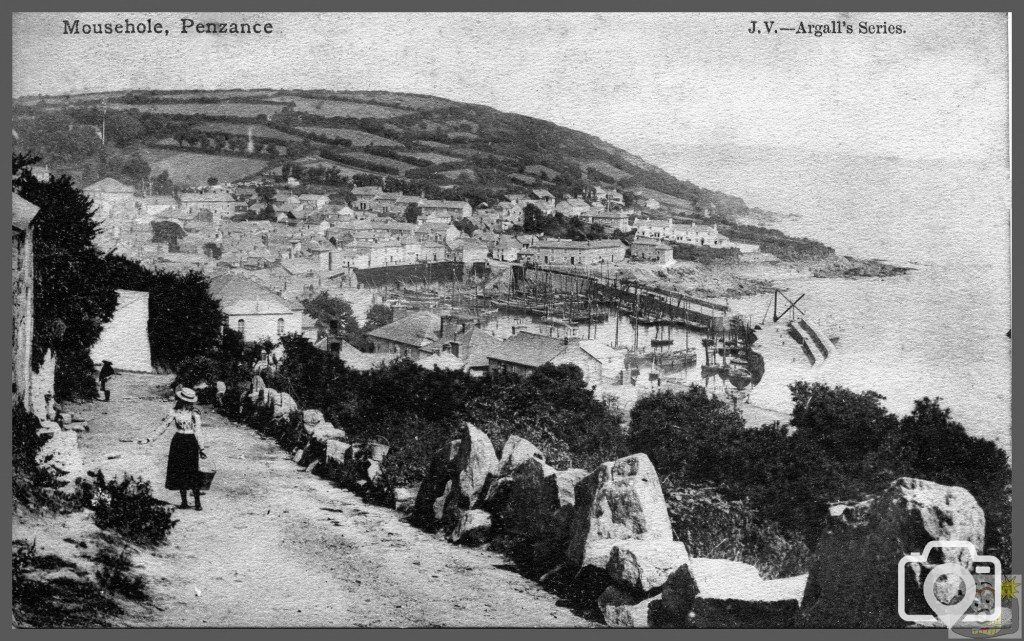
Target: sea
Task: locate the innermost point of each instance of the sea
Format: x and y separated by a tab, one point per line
941	330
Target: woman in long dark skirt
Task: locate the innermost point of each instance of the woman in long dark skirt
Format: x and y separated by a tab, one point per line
187	447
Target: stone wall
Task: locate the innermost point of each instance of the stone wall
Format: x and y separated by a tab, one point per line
22	299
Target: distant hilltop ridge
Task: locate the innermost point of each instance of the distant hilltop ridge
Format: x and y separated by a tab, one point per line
405	135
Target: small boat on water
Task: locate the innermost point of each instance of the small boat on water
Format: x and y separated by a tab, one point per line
595	317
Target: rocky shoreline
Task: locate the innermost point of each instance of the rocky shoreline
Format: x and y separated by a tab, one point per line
732	280
849	267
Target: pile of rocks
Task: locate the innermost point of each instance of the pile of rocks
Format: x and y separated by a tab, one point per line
610	530
318	445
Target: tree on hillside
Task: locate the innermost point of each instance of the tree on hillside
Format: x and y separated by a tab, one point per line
465	225
412	213
166	231
850	426
333	316
123	128
265	193
378	316
532	219
684	433
162	184
73	296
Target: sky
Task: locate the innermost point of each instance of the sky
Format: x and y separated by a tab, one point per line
939	90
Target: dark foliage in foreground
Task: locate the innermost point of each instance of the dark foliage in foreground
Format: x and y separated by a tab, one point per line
420	410
844	446
60	602
126	505
72	296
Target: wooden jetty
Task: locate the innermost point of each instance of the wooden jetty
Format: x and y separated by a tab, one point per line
645	304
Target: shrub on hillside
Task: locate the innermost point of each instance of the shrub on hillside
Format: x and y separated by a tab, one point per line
196	370
705	255
779	244
116	573
127	506
686	433
842	445
716	528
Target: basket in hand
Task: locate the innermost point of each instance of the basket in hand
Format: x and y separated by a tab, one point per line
207	470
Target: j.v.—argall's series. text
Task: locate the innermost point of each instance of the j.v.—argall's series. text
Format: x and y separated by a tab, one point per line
819	29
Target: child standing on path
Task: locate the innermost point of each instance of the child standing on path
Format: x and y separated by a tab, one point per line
187	447
106	373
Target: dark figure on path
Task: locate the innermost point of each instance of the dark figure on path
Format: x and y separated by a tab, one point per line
222	389
106	373
187	447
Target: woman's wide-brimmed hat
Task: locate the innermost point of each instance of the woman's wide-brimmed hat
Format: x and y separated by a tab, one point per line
186	394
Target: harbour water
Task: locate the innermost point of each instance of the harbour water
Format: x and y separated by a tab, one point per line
939	331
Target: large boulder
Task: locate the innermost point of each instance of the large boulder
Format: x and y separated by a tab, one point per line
256	389
439	473
708	578
554	518
475	464
644	566
285	406
762	604
312	418
625	609
514	454
473	528
619	500
325	432
853	579
437	509
517	450
518	506
334	457
536	505
270	398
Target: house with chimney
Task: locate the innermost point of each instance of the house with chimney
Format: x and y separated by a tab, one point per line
650	250
445	209
524	352
688	234
254	310
556	251
220	203
110	191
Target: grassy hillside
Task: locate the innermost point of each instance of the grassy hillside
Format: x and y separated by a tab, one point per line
440	144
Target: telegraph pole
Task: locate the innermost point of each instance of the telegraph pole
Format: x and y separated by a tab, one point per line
103	134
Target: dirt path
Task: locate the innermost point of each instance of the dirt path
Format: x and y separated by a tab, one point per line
276	546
